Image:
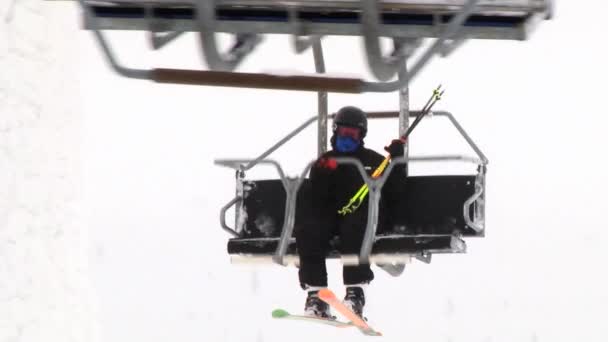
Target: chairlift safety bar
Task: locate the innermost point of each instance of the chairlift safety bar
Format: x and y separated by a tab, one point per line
248	164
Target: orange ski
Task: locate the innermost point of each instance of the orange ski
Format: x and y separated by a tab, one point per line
330	298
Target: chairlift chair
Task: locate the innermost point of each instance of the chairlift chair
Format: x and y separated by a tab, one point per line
441	210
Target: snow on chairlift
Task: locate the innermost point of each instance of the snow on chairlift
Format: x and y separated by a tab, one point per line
406	22
441	210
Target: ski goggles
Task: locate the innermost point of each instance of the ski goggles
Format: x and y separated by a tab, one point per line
345	131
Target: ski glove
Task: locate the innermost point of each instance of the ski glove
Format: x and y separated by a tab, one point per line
396	148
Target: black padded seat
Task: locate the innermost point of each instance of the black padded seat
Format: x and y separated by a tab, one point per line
433	210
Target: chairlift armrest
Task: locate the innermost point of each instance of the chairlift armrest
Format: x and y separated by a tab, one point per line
478	227
223	216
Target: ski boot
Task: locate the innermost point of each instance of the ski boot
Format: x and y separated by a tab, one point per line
316	307
355	300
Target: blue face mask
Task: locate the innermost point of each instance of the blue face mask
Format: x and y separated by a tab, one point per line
346	144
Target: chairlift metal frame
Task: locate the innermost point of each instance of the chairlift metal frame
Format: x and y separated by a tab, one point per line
473	209
407	22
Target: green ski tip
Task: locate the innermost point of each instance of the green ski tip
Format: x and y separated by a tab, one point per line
279	313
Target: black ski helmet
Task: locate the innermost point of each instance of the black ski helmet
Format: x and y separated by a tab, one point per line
352	117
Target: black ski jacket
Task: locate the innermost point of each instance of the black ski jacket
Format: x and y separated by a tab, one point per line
333	185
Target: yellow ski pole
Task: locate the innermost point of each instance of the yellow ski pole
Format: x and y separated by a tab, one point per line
358	198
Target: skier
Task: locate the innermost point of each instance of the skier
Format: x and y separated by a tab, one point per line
332	187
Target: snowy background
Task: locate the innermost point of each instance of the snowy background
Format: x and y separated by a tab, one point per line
109	199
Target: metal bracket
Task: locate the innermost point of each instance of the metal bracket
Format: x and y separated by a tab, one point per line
450	32
159	33
159	39
394	270
425	257
292	186
303	43
375	187
300	42
223	216
322	107
457	244
383	67
405	47
451	45
476	223
126	72
245	43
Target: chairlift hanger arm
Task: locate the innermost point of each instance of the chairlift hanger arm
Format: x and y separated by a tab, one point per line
383	67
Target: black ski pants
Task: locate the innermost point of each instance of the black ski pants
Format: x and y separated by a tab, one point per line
313	238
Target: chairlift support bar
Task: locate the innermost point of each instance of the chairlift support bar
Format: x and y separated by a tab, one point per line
322	103
206	24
